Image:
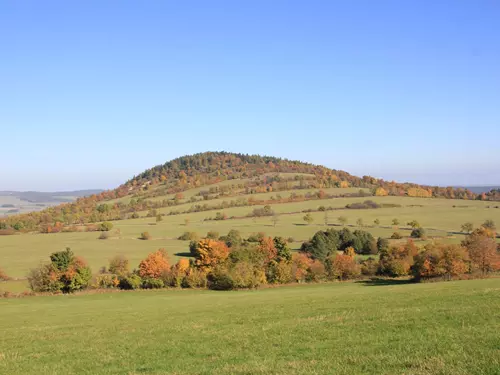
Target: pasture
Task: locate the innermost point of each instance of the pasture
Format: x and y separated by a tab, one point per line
337	328
442	219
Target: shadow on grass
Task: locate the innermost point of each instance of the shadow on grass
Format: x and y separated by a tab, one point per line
184	255
375	281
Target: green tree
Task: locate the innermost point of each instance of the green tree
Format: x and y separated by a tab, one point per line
342	220
413	224
395	222
489	224
467	227
308	218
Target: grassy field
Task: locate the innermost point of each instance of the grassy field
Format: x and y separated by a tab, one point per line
440	217
342	328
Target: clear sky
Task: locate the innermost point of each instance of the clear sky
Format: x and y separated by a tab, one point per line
94	92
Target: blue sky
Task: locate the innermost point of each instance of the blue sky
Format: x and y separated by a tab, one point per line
94	92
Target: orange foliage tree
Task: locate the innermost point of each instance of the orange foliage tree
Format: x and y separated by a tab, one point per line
155	265
209	253
482	249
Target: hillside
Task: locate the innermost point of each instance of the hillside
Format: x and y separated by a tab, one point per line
234	174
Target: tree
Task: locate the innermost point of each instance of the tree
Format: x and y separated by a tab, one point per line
308	218
283	252
342	220
325	218
209	253
376	222
467	227
66	273
489	224
395	222
359	222
275	219
482	251
119	265
159	218
413	224
417	233
145	236
106	226
155	265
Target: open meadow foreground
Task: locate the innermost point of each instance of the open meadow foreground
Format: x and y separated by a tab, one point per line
341	328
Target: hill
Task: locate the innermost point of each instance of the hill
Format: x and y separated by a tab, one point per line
13	202
250	174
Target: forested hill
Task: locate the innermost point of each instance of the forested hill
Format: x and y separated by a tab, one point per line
250	173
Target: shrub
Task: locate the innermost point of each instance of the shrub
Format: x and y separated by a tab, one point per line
279	273
106	282
151	283
396	236
103	236
418	233
66	273
397	260
130	282
256	237
213	235
365	205
315	272
105	226
145	236
155	265
3	276
440	260
241	275
233	238
189	236
369	267
119	265
194	279
343	267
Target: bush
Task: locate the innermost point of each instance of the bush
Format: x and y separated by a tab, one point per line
241	275
119	265
365	205
279	273
145	236
369	267
418	233
106	226
194	279
151	283
103	236
396	236
3	276
106	282
130	282
66	273
213	235
189	236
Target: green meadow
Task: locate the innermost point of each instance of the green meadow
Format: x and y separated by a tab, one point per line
338	328
442	219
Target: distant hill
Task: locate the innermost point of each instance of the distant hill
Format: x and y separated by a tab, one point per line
19	202
44	197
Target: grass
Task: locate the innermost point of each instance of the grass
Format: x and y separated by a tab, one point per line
21	252
349	328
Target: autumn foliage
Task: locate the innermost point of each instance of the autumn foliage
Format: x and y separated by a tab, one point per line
155	265
209	253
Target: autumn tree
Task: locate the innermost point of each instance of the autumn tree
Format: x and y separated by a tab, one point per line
209	253
155	265
482	249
